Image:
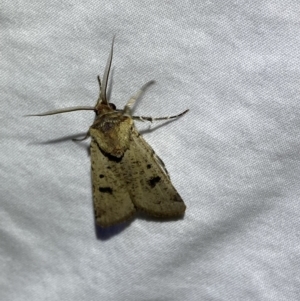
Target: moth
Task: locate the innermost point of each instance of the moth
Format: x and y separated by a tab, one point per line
127	175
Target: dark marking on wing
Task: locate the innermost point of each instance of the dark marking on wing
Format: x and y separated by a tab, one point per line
177	198
105	190
149	166
101	176
153	181
110	157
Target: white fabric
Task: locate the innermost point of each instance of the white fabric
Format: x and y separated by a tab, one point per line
234	157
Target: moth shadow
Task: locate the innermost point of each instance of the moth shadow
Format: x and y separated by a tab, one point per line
144	216
64	139
109	232
61	139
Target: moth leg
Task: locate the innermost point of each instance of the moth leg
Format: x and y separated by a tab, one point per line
148	182
132	100
162	164
87	135
145	118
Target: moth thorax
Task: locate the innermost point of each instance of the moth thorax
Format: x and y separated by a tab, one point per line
110	121
112	132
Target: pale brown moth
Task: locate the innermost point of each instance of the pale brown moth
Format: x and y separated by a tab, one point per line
126	173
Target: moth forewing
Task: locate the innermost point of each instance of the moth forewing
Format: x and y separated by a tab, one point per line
126	173
148	181
112	202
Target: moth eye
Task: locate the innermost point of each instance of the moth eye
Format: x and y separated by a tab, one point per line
112	106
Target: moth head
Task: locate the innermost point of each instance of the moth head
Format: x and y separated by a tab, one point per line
102	109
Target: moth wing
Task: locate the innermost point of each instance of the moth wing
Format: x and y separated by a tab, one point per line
112	202
148	181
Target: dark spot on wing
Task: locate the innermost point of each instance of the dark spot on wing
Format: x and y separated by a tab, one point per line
149	166
105	190
110	157
101	176
153	181
177	198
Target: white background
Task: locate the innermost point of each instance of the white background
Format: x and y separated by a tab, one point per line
234	158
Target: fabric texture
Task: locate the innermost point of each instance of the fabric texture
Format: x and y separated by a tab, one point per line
234	158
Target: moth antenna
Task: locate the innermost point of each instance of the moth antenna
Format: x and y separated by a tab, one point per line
66	110
132	100
102	98
99	82
100	88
